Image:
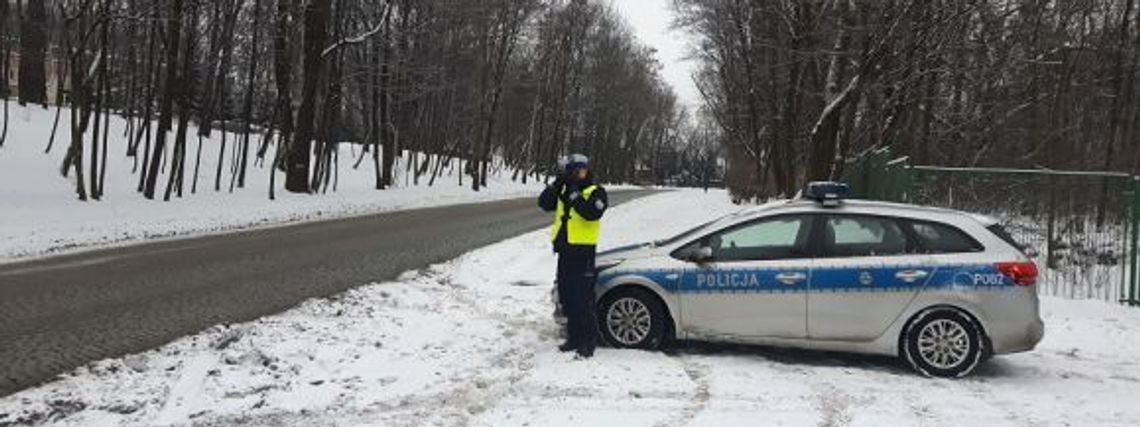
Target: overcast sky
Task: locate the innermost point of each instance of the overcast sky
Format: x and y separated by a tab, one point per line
651	20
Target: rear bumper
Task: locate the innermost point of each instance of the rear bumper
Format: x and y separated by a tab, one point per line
1020	340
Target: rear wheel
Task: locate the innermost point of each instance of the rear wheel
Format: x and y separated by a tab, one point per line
633	318
943	342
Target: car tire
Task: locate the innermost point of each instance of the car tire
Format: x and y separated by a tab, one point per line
633	318
943	342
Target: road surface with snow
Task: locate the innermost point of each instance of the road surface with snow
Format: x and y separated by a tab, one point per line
40	214
470	342
58	313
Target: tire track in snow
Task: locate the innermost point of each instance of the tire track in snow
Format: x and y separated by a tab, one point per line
699	375
478	388
184	397
834	406
459	396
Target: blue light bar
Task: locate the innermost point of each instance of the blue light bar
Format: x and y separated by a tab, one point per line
827	193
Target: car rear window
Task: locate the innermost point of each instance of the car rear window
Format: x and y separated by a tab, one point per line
1003	234
938	238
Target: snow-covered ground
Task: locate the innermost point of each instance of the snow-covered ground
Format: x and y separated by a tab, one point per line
471	342
39	212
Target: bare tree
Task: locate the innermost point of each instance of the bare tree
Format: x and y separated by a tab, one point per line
430	85
1015	84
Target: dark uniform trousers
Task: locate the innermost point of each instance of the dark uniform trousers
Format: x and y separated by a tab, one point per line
576	279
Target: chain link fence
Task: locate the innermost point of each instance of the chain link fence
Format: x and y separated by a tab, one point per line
1080	226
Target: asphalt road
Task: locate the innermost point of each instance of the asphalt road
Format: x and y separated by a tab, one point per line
60	313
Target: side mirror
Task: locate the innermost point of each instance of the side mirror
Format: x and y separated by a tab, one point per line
701	254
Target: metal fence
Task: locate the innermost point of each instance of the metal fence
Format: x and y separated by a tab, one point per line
1081	226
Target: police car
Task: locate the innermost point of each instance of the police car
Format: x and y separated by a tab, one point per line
942	290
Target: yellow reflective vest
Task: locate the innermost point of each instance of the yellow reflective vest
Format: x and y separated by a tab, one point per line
580	231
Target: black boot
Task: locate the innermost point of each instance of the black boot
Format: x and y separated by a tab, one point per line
585	351
567	346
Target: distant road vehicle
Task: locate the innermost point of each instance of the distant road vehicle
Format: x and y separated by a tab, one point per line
942	290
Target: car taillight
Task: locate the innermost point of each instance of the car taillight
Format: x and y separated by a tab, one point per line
1021	273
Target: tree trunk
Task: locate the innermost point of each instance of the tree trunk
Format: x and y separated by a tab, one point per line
251	79
283	68
183	96
170	92
298	162
385	130
33	44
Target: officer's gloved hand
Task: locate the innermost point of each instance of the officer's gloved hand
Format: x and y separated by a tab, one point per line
572	192
559	181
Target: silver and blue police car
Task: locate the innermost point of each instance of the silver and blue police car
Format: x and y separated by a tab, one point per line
942	290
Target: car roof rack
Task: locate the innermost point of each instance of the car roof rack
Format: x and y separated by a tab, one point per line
829	194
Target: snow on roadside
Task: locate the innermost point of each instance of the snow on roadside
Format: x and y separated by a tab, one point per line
470	342
40	213
439	345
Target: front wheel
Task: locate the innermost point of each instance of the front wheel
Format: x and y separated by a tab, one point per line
943	342
633	318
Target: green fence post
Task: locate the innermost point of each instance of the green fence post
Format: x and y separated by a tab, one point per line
899	185
1134	224
1125	242
877	174
909	183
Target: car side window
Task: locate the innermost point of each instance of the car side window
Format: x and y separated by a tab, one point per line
857	236
767	239
935	238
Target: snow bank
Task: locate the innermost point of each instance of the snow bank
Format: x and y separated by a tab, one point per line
39	212
471	342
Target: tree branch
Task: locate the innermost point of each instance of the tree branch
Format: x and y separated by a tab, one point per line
359	38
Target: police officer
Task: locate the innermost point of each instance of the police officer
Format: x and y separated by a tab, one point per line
578	205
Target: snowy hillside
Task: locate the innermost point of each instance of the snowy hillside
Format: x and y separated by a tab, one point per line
40	213
471	342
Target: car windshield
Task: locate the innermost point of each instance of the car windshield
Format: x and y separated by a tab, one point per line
687	233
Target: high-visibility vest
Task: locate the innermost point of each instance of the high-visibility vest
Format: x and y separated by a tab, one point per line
580	231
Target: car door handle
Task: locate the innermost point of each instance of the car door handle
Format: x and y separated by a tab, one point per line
791	278
911	276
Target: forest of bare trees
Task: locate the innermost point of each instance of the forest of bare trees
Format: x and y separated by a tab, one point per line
796	88
523	81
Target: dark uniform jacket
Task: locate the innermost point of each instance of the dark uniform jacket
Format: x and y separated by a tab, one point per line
590	208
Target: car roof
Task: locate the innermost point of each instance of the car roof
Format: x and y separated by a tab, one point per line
856	206
871	207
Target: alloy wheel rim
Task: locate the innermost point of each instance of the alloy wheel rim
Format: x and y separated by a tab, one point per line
943	344
628	321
